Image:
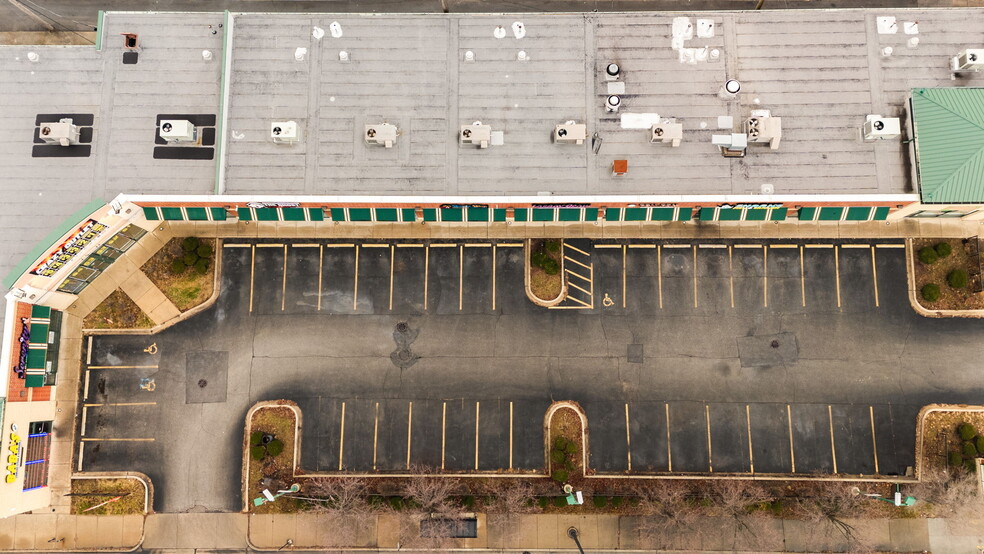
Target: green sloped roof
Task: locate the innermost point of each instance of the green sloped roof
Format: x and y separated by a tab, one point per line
949	130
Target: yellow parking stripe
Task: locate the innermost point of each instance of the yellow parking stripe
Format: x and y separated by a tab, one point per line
306	245
833	450
569	259
855	246
819	245
566	245
890	246
642	246
339	245
123	367
874	275
792	451
269	245
236	245
516	245
612	246
91	439
783	246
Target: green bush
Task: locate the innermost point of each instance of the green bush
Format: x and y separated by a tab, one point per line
178	266
571	448
468	501
979	443
190	258
943	249
569	464
204	251
970	466
190	244
560	475
550	266
616	501
257	452
396	502
966	431
599	501
635	501
957	278
557	456
275	447
256	437
560	443
201	266
930	292
954	458
969	450
543	501
552	246
927	255
560	501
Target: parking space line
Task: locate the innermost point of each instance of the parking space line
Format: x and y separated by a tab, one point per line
582	303
374	245
252	273
520	245
510	433
235	245
833	451
321	268
748	430
85	410
478	244
874	276
874	440
305	245
748	246
341	442
837	275
624	255
114	404
392	254
493	275
283	288
819	245
375	436
443	245
339	245
477	414
427	259
659	272
712	246
890	246
792	451
576	274
707	418
855	246
571	284
731	277
409	429
569	259
410	245
600	246
88	352
765	277
802	278
695	275
270	245
444	430
628	437
461	278
642	246
676	246
669	451
123	367
355	291
782	245
81	453
571	246
85	388
91	439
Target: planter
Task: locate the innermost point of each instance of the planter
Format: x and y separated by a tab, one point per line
537	280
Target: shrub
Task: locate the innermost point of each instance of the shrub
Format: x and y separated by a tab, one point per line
957	278
966	431
256	437
560	475
275	447
204	251
616	501
599	501
190	258
190	244
543	501
954	459
257	452
178	266
201	266
571	448
550	266
560	443
979	443
468	501
943	249
635	501
560	501
969	450
569	464
970	466
552	246
930	292
557	456
396	502
927	255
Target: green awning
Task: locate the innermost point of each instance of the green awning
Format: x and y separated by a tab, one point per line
948	129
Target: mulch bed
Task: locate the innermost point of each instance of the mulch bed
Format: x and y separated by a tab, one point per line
950	298
117	311
187	289
940	435
92	492
544	286
279	422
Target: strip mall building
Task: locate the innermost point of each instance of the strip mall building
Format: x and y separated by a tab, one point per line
475	122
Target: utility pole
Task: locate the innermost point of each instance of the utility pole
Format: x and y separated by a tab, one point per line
572	533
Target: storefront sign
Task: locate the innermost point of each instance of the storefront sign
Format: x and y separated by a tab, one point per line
571	205
750	206
15	449
273	204
69	249
462	206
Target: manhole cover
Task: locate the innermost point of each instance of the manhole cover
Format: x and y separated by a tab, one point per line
774	344
404	355
202	383
402	327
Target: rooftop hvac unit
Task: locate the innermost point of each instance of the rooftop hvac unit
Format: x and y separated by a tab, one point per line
877	127
284	132
477	134
178	130
612	103
971	59
383	134
764	129
570	133
671	133
63	132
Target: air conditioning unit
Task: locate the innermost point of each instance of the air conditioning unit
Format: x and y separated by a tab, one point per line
668	132
570	133
612	103
477	133
764	129
877	127
383	134
178	130
285	132
63	132
971	59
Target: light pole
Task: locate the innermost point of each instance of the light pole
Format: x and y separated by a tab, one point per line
572	533
289	543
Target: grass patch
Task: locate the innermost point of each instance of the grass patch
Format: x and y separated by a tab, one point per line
96	491
185	286
117	311
279	422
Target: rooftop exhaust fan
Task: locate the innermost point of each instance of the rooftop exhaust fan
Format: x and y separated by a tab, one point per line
64	132
477	134
570	132
667	132
382	134
178	130
284	132
877	127
971	59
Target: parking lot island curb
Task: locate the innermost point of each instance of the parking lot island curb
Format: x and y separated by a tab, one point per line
528	269
921	424
910	259
248	429
584	434
142	478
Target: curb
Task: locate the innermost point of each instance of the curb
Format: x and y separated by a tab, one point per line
584	433
910	260
527	268
248	428
921	423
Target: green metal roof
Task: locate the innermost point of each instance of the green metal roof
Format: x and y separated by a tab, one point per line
948	124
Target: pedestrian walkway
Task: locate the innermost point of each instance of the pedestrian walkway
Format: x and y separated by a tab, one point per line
149	298
63	532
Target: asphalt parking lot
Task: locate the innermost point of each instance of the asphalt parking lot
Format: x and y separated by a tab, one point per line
716	356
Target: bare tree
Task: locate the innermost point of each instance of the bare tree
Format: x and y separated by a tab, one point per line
950	494
830	509
431	493
739	502
509	499
429	497
342	502
669	514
